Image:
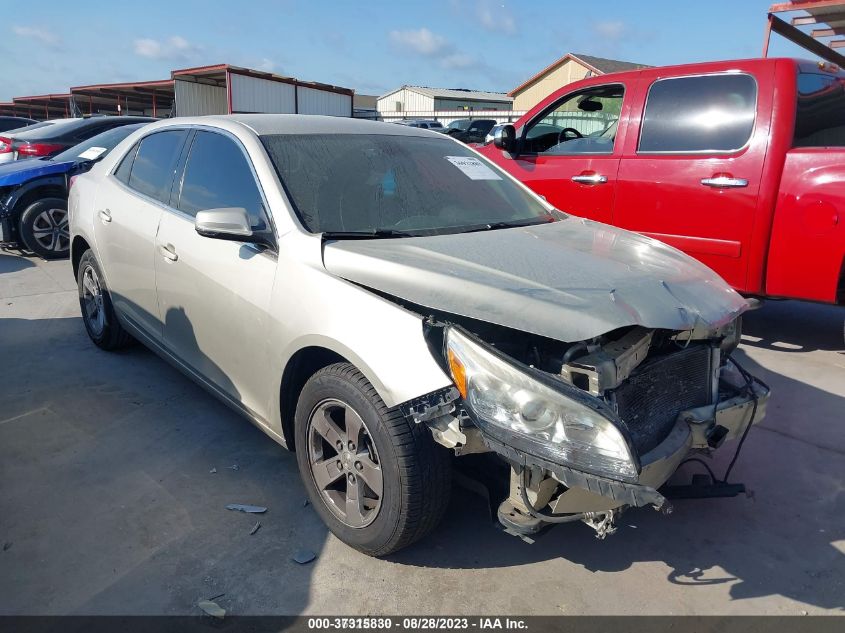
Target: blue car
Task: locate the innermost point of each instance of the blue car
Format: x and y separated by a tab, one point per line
33	194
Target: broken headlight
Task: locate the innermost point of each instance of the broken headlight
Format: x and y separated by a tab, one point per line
528	415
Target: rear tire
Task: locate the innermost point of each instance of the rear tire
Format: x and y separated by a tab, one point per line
384	481
97	310
44	228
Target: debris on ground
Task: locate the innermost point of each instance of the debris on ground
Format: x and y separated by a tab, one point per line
7	546
304	556
305	503
212	608
240	507
255	528
233	467
213	470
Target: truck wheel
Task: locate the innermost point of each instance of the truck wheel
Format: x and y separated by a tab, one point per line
44	228
378	480
97	311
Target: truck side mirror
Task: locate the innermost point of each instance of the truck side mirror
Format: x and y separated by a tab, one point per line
504	137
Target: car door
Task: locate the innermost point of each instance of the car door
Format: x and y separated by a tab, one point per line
569	152
129	205
690	176
213	295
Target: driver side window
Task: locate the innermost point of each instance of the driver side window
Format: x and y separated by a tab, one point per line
581	123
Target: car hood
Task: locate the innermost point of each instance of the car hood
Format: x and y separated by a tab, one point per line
569	280
19	171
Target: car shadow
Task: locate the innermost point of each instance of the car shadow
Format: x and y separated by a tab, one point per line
795	326
13	263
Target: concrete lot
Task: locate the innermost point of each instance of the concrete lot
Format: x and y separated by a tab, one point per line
108	505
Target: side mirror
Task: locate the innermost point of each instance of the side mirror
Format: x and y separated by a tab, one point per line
230	223
504	137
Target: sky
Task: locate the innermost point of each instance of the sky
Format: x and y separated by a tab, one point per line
372	46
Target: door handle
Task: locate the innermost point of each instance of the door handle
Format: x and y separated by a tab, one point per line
590	179
105	215
724	182
168	252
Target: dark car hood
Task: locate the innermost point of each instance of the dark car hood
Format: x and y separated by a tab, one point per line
569	280
20	171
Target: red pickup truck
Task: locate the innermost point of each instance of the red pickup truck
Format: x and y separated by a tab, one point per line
741	164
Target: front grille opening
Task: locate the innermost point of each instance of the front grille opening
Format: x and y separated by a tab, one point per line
651	399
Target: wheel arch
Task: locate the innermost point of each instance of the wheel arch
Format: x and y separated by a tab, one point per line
35	190
77	247
304	363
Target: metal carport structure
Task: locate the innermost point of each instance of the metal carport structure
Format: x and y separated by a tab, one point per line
41	107
144	98
227	89
826	16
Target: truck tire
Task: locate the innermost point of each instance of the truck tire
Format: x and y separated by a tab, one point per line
44	230
97	310
377	479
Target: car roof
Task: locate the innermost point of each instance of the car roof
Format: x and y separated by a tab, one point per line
65	126
271	124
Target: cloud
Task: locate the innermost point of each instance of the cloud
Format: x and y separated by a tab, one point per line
267	65
426	44
43	35
611	29
174	48
421	41
498	20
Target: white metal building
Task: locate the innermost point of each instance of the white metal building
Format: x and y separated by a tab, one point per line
225	89
414	99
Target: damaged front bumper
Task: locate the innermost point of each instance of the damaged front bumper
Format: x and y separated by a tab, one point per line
539	483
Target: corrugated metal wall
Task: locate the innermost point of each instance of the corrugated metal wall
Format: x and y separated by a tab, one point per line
405	100
314	101
193	99
542	87
252	94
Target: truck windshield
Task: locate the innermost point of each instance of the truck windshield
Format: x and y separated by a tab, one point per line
820	116
387	186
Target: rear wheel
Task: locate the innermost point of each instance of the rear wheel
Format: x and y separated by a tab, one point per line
97	311
377	479
44	228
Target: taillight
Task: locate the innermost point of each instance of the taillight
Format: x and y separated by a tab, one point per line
5	145
30	150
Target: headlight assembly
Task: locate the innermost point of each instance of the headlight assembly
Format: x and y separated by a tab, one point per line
520	411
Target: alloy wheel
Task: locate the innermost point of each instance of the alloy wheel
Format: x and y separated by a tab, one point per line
344	463
50	229
92	301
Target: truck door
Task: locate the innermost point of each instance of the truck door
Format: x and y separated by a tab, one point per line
691	170
569	152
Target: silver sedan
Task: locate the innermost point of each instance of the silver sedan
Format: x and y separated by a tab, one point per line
382	299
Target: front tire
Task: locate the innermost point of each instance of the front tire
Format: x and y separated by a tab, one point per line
44	228
378	480
97	310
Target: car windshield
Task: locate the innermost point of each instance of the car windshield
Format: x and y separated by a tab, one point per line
97	146
357	184
460	124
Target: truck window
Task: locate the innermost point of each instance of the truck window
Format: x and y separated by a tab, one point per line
707	113
820	115
580	123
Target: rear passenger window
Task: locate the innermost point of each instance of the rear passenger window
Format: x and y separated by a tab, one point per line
820	118
217	176
710	113
122	172
155	162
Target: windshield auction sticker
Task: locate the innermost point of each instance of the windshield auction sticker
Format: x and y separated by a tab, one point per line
92	152
473	168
